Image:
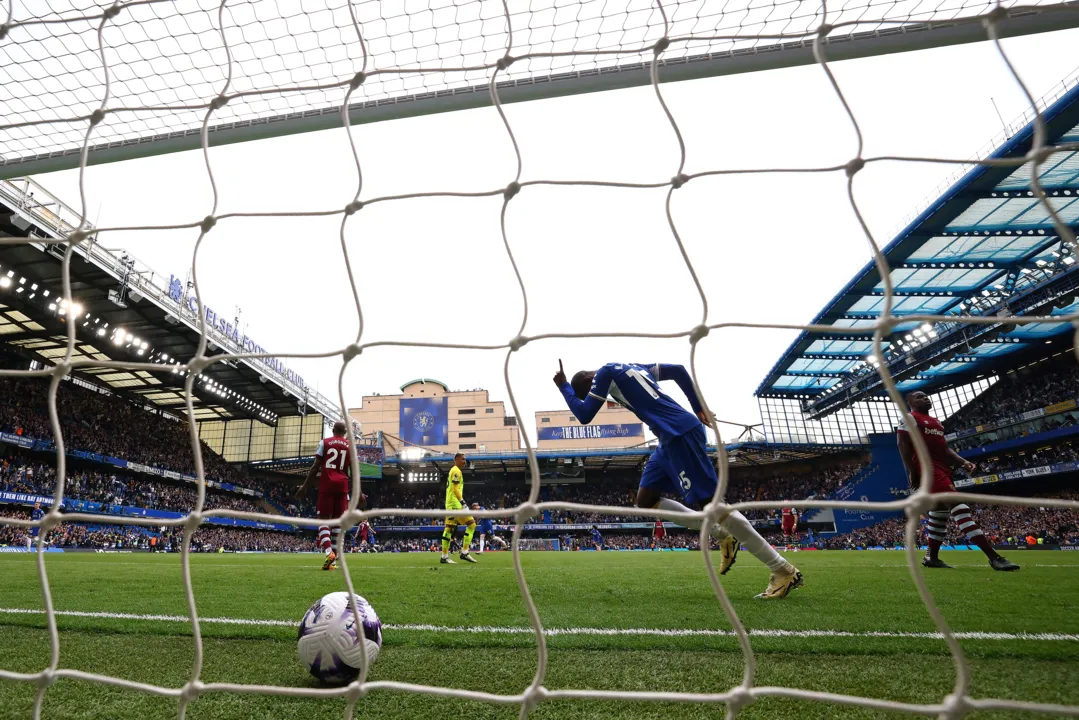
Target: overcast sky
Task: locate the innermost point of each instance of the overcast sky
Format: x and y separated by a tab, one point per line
767	248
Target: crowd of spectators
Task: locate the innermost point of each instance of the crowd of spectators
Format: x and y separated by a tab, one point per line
75	535
106	424
1017	392
776	485
136	537
214	539
1061	453
1003	524
19	473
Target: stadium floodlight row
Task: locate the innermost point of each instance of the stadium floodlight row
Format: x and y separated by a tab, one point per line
128	311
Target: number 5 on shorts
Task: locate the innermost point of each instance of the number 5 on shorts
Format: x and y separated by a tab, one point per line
684	481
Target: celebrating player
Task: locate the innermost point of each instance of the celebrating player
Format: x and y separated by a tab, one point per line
486	528
789	524
455	501
943	459
597	539
680	464
331	467
658	533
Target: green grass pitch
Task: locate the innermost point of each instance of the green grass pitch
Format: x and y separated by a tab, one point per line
857	592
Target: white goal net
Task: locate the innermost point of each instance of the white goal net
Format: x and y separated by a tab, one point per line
84	83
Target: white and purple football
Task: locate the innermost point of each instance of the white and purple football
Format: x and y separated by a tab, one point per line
329	641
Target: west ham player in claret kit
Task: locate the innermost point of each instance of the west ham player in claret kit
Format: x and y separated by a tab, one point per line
658	533
365	537
789	524
333	459
943	459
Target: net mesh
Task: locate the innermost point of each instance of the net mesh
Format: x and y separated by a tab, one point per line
151	65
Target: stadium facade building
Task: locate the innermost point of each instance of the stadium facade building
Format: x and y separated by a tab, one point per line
427	414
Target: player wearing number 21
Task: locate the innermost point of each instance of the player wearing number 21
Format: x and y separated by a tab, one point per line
333	460
680	464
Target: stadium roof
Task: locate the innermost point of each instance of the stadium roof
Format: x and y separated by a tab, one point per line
126	313
984	247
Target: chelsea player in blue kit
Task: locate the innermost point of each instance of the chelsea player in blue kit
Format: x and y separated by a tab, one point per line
36	514
485	528
680	464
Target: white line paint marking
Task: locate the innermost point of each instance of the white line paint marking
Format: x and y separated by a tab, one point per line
606	632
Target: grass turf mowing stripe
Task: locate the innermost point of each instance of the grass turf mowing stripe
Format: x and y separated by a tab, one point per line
494	630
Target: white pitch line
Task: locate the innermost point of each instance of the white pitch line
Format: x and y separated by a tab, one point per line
604	632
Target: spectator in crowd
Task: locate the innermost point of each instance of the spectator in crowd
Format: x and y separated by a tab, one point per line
1033	387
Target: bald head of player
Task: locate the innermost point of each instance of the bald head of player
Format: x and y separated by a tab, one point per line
582	383
339	429
918	401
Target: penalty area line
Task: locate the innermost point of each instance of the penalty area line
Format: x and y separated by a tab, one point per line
552	632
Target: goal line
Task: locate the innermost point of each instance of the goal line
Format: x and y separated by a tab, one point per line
585	631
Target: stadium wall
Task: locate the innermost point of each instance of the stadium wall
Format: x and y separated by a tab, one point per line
441	419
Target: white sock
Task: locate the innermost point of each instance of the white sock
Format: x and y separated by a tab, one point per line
741	528
666	504
481	543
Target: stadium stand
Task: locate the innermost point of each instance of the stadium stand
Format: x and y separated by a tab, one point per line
114	489
1005	525
106	424
1038	386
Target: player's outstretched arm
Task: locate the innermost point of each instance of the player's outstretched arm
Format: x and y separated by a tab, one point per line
681	377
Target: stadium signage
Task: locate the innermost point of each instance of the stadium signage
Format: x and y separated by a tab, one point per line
591	432
223	326
19	440
1018	474
13	549
24	498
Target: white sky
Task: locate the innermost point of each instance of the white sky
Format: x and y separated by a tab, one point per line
769	248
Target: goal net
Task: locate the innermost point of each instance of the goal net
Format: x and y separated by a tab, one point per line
84	83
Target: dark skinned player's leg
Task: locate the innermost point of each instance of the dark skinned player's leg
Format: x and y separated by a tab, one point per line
653	480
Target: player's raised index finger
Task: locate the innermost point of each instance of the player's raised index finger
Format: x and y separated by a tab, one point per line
560	366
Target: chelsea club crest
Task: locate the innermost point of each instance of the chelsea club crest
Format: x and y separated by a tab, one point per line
423	421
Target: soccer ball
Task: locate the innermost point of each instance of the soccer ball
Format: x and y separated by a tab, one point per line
329	643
